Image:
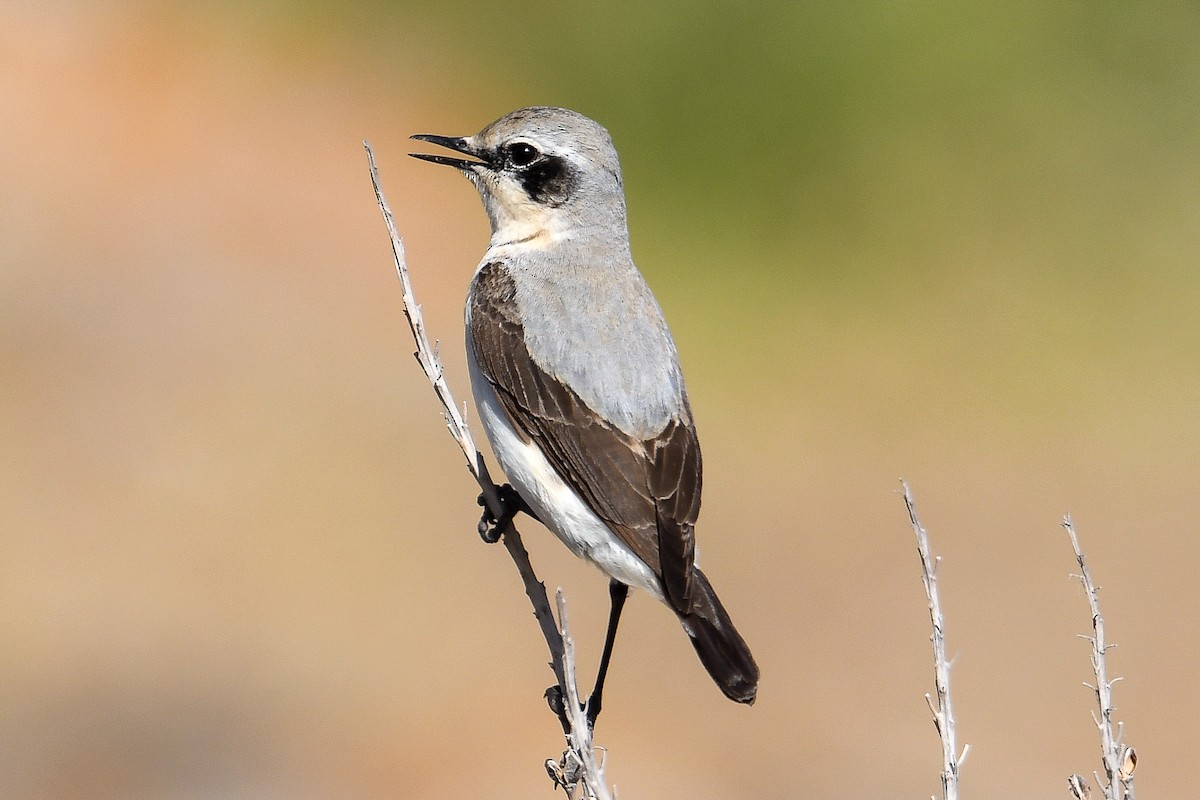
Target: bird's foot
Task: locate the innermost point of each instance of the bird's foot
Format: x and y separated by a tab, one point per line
558	704
491	526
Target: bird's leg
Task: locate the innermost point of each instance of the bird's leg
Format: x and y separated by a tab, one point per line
617	592
491	526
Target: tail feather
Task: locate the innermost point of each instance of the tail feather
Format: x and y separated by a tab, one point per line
721	649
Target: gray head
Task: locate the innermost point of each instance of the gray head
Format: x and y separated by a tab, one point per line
541	171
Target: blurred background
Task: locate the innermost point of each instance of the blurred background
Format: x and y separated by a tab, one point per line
952	244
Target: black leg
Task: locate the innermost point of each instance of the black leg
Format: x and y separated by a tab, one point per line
490	526
617	593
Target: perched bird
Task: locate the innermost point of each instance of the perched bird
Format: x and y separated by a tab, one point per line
576	377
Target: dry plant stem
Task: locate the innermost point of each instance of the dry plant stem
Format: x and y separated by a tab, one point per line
580	738
456	423
557	639
1118	762
1079	788
425	354
943	712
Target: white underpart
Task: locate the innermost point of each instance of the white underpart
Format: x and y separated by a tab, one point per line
557	505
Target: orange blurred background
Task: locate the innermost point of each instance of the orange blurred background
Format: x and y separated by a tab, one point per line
237	548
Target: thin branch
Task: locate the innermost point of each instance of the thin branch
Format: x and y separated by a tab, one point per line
1119	762
557	639
1079	788
426	354
943	711
580	738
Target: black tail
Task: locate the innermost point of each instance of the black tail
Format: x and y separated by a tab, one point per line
721	649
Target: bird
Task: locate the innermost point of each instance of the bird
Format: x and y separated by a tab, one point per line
576	376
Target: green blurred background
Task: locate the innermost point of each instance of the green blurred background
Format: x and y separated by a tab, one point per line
952	244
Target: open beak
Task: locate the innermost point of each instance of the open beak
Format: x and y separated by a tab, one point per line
458	145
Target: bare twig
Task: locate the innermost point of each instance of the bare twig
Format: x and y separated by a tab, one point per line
1079	788
558	640
1119	760
943	711
580	738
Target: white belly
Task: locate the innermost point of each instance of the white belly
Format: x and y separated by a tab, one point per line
557	504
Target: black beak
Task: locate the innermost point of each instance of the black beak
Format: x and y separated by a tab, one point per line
458	145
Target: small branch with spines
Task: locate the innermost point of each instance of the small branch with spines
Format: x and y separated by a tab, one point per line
578	772
1119	760
581	751
942	710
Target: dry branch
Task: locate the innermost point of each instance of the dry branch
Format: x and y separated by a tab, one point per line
580	737
1119	760
943	711
578	763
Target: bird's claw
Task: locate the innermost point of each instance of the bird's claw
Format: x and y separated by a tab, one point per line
558	704
491	526
488	528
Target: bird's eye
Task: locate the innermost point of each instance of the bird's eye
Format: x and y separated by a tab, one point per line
522	154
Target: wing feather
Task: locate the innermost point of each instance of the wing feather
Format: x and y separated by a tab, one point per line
646	490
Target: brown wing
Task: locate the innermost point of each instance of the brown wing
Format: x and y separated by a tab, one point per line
648	491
